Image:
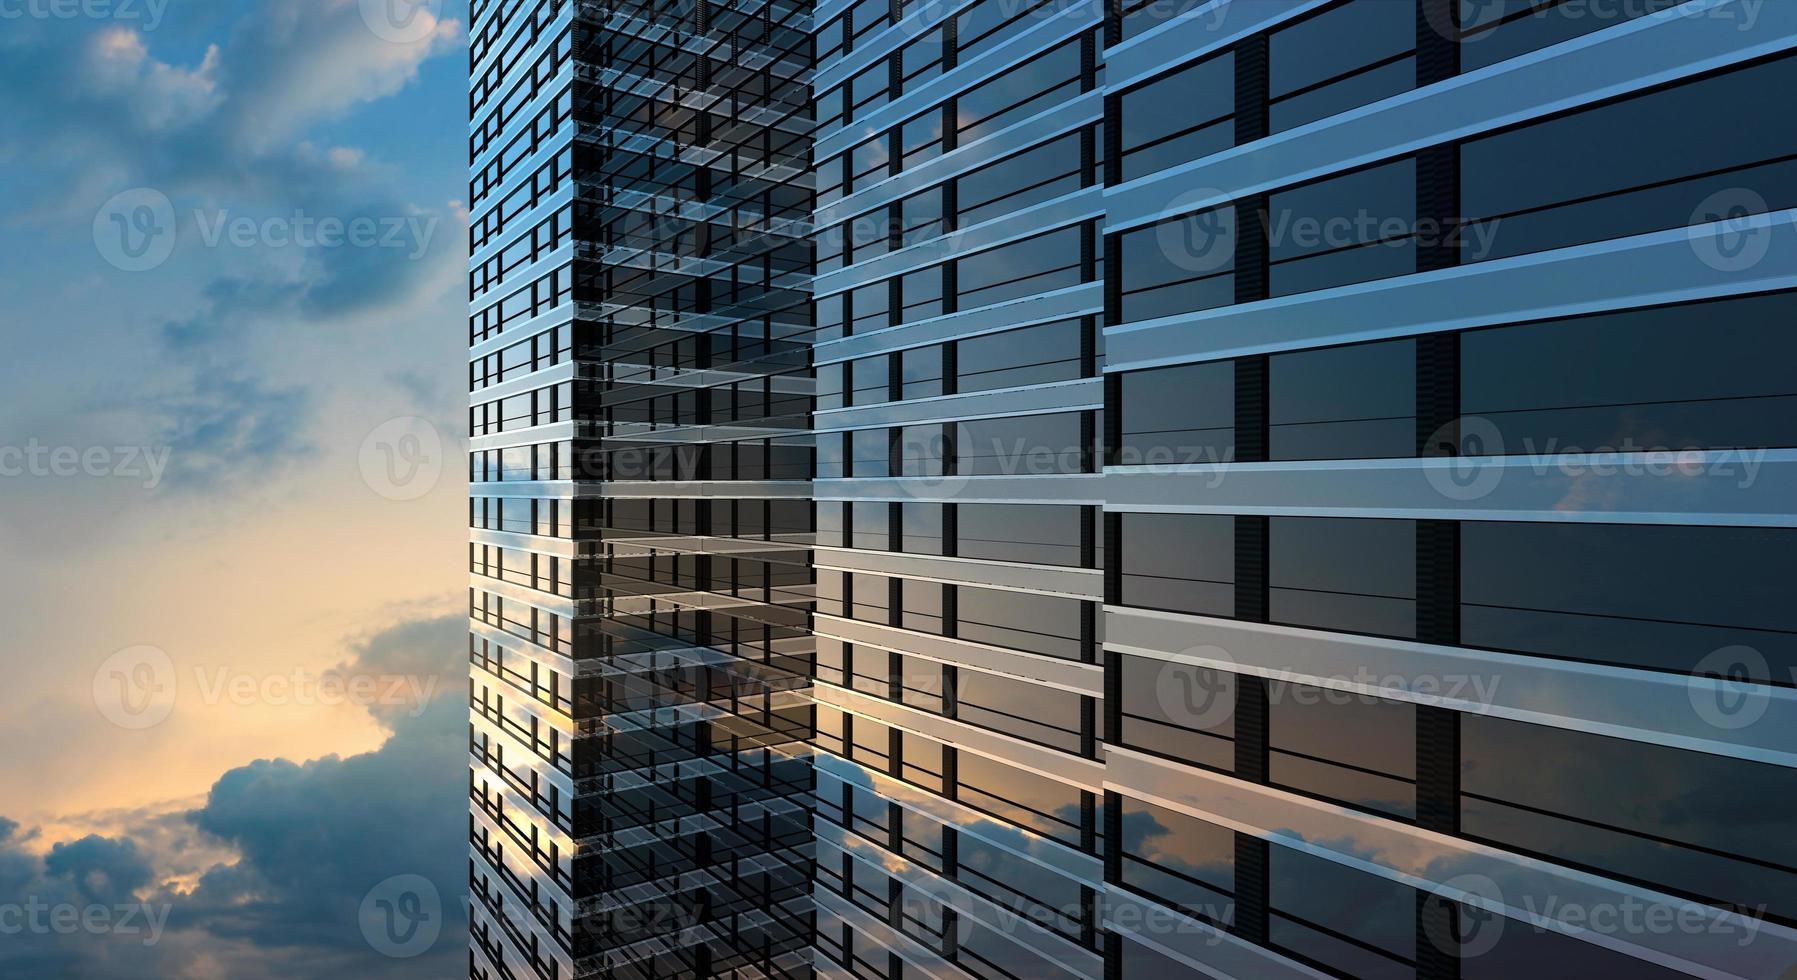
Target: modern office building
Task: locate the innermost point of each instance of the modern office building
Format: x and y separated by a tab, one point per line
640	490
1062	491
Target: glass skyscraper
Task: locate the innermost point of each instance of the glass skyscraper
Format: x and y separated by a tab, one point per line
1134	490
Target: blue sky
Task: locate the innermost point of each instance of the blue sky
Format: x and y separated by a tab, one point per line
235	247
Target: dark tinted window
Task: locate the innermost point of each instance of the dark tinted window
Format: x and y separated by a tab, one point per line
921	528
1179	710
1698	824
870	525
1042	534
1345	747
1033	355
1707	375
1180	860
1180	562
1038	174
1496	30
1028	445
1026	268
1356	53
1048	625
1181	414
1357	924
1354	402
1641	595
1180	265
1021	708
1343	230
1693	153
1025	799
1184	116
1350	574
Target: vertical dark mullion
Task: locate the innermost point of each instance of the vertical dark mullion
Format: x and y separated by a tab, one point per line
1438	208
1113	836
1253	860
1437	592
1113	696
1088	342
1253	274
1251	123
1438	394
1437	41
1252	77
1088	62
1252	409
1113	139
1252	708
1113	557
1113	280
1088	157
1113	419
1437	937
1089	443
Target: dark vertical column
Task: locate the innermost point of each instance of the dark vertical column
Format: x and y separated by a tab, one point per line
1113	696
1113	415
1252	854
1251	82
1437	621
1437	41
1438	394
1251	123
1253	276
1440	237
1251	409
1113	140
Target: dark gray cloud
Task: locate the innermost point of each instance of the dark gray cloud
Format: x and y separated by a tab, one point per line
312	840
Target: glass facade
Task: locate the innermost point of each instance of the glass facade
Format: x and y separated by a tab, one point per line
1230	488
640	490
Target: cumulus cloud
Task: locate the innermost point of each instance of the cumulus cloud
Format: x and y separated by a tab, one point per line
226	130
310	840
